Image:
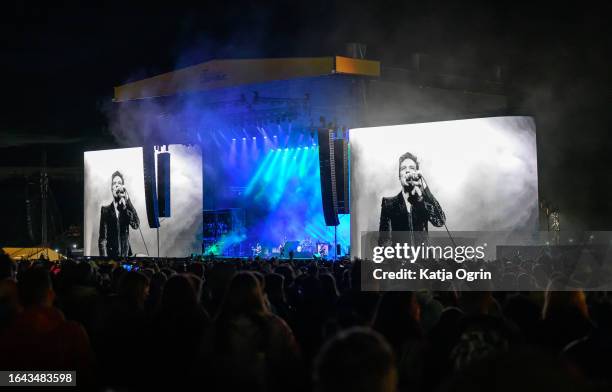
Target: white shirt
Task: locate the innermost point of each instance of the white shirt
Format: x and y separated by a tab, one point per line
116	209
408	205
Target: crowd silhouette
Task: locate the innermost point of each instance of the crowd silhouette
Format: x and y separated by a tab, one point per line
288	325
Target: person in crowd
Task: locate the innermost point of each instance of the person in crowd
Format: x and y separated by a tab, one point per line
587	353
158	280
525	369
398	320
196	269
292	291
355	360
525	313
356	307
8	268
120	341
275	291
247	336
565	318
181	321
40	337
80	298
329	289
218	280
9	300
478	302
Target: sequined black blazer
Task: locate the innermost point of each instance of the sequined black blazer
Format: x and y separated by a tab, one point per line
394	215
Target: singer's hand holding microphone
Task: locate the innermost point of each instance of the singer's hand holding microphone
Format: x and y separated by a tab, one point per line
124	197
417	185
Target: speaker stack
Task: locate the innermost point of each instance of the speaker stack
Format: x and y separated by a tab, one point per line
150	186
163	184
156	184
333	164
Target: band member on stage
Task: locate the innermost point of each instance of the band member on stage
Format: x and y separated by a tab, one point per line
281	250
257	249
115	221
281	247
413	207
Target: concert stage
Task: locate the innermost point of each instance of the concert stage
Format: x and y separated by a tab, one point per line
245	158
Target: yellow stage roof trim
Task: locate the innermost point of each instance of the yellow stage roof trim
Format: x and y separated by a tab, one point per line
218	74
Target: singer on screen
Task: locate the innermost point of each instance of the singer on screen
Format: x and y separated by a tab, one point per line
413	207
115	221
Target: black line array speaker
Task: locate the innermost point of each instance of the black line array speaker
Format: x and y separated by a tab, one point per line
148	162
163	184
342	181
327	167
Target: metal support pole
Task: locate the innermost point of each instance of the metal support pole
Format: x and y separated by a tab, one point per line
44	183
335	243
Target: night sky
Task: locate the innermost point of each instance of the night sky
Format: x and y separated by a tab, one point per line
59	65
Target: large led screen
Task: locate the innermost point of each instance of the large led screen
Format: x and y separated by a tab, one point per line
116	222
464	175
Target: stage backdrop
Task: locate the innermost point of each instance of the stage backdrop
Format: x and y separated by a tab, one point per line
180	234
483	172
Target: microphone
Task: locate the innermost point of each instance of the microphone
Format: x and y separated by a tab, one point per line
414	179
122	192
416	187
415	176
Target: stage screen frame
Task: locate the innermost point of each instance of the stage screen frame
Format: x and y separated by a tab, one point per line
490	162
179	235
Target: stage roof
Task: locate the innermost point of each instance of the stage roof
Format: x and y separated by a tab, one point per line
219	74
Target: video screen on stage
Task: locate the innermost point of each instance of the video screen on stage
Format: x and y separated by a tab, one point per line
116	222
464	175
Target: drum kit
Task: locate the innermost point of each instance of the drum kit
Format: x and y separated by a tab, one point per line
306	246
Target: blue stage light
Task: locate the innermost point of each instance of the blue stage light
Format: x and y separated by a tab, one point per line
260	170
282	199
270	170
302	164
